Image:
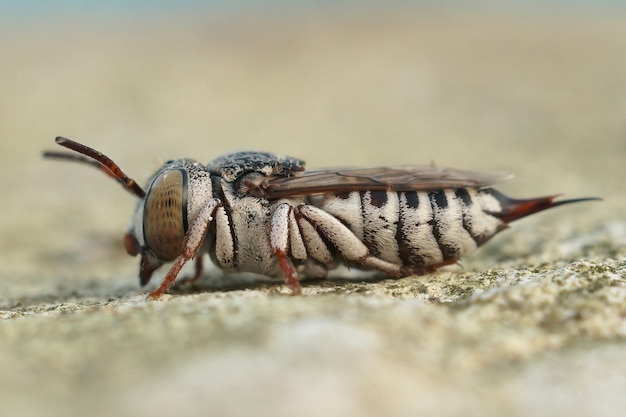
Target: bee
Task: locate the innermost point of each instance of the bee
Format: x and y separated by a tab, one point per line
264	213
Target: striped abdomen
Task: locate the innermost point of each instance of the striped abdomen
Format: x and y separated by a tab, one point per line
425	228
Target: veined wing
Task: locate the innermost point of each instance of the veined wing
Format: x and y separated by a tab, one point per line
344	180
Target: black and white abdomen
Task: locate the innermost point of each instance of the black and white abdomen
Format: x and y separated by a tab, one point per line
422	228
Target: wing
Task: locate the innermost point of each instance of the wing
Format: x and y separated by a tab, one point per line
343	180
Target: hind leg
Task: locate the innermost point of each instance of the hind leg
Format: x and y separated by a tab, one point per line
327	228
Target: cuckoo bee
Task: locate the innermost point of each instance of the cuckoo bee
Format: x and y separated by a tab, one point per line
263	213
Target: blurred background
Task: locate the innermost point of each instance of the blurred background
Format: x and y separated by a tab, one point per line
534	88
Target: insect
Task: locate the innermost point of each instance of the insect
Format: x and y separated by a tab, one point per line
263	213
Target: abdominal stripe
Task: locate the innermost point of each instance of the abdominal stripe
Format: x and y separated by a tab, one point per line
406	252
375	200
439	204
466	202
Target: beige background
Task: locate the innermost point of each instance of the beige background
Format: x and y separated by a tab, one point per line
533	324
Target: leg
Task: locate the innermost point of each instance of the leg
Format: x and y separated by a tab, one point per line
191	245
279	239
289	272
196	275
408	270
346	242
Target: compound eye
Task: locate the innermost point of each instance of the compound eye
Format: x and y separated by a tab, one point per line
165	214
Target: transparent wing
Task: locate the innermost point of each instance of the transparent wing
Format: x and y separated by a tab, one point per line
343	180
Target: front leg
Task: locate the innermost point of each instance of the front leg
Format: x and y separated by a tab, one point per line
191	280
191	245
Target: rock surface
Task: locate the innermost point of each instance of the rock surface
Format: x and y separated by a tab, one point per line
532	324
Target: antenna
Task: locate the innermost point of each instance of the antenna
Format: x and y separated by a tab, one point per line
92	157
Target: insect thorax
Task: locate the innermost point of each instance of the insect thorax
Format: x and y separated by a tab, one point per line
233	165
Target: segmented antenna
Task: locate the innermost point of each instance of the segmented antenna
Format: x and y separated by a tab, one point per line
92	157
